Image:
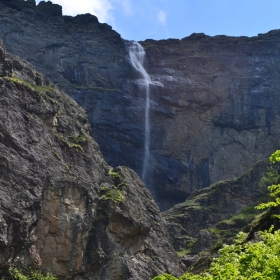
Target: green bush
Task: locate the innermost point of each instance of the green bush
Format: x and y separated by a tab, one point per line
249	261
272	178
34	275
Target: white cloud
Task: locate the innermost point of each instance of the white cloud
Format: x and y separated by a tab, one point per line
99	8
162	17
126	4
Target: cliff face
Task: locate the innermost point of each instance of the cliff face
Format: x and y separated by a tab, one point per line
218	110
87	60
214	116
63	208
213	216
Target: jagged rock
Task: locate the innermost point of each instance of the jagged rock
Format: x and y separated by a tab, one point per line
49	8
63	209
214	215
219	98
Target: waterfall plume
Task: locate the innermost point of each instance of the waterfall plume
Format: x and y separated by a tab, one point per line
136	56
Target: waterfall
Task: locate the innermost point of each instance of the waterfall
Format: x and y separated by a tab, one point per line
136	55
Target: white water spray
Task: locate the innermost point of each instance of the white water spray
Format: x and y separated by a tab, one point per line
136	55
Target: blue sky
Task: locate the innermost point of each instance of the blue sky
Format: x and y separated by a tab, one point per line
162	19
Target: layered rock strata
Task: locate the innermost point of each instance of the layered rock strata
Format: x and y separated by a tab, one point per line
63	209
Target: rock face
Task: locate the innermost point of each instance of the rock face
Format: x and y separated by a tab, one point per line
89	61
218	111
219	97
63	209
214	215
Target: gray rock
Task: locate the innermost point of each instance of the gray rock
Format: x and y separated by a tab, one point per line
219	99
214	215
63	209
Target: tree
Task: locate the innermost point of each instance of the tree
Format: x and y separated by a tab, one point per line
251	260
272	178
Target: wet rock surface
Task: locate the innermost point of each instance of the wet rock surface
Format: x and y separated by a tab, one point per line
63	209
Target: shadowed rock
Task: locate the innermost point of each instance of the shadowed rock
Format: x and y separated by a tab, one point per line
213	98
63	209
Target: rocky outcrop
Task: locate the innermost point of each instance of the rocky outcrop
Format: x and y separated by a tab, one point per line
214	110
88	61
63	209
212	216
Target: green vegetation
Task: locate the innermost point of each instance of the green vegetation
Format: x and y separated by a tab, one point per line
248	260
71	141
182	253
78	139
30	86
111	194
273	178
34	275
43	93
227	229
118	179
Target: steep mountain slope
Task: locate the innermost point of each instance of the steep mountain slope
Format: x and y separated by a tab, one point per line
214	215
63	209
216	98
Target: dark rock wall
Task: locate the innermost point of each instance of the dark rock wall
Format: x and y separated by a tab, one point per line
214	215
89	61
63	209
214	116
218	110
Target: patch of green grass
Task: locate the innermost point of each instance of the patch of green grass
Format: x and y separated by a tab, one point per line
243	218
30	86
57	155
78	139
223	233
111	194
114	174
189	241
41	92
182	253
119	181
67	142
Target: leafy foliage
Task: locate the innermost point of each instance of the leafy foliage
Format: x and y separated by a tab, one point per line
272	178
34	275
251	260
